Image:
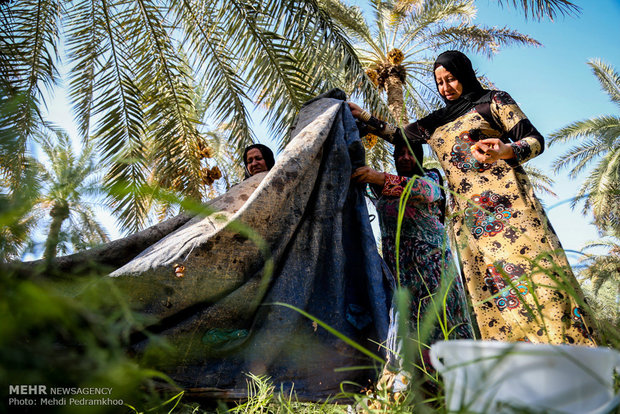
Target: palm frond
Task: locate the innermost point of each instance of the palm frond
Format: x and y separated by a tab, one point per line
421	25
168	98
84	231
606	126
580	155
541	181
29	50
539	9
608	78
602	268
87	51
332	42
350	17
482	40
208	30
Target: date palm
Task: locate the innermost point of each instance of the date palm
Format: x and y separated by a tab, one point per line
597	147
401	42
399	45
132	67
68	182
604	269
17	222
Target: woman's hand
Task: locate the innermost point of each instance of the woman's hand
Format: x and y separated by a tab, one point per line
356	111
490	150
366	174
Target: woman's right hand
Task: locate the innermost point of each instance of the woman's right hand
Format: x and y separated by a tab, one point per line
366	174
356	111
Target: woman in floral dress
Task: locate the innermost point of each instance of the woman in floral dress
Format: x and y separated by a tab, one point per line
425	266
516	272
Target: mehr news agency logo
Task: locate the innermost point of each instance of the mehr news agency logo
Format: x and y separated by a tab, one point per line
42	395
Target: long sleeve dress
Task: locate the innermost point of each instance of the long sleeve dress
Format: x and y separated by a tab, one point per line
516	271
425	268
424	255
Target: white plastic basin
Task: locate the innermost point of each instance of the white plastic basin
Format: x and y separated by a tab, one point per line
499	377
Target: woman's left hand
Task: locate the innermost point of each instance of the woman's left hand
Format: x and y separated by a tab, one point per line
366	174
489	150
356	111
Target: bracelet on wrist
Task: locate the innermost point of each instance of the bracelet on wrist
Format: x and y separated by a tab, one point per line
365	116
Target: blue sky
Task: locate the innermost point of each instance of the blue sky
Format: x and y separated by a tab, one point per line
554	86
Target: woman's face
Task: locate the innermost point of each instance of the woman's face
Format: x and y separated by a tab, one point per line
256	162
405	161
449	87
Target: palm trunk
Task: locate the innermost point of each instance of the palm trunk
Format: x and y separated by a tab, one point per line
59	213
395	98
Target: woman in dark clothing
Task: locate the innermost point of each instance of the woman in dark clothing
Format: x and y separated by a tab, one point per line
517	274
424	264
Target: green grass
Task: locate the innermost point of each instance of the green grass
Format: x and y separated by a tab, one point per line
68	333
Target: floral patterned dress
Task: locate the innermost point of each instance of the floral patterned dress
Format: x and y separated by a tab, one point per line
516	272
424	256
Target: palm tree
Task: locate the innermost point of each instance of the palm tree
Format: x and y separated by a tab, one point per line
541	182
17	222
67	182
132	68
405	35
133	64
604	269
598	141
399	47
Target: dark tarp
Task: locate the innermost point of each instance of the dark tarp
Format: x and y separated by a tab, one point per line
317	229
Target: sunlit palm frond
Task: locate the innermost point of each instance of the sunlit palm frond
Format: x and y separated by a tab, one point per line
88	51
601	196
165	80
598	140
602	267
17	218
84	231
451	12
211	30
540	180
277	70
539	9
608	78
607	127
29	49
37	26
332	43
350	17
483	40
580	156
404	7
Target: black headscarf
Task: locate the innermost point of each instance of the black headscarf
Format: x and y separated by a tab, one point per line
418	153
473	94
264	150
